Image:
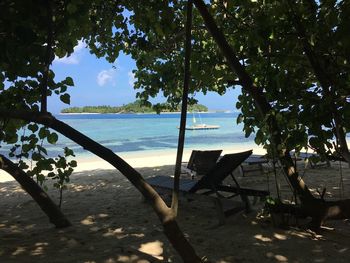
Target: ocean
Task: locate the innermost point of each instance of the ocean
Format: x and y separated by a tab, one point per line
124	133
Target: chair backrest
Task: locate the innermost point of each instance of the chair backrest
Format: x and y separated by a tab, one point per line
203	161
226	165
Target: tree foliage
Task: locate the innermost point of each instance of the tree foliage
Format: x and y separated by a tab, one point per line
296	53
25	31
270	38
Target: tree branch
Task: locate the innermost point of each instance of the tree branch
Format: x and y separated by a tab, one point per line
164	213
47	57
34	190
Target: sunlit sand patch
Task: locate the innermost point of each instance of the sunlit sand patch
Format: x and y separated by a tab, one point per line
89	220
120	233
39	250
279	236
254	223
262	238
80	188
15	229
103	215
31	226
18	251
300	234
279	258
154	248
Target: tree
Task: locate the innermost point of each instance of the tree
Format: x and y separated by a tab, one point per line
318	209
51	29
283	100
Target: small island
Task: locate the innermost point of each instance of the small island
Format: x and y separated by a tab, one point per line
134	107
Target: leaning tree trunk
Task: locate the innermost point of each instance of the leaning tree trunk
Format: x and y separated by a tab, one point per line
55	215
165	214
318	209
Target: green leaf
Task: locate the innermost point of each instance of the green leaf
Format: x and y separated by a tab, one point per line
43	133
69	81
61	163
51	174
52	138
68	152
65	98
36	156
26	148
41	178
73	163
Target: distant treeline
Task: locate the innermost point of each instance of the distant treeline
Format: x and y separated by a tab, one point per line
134	107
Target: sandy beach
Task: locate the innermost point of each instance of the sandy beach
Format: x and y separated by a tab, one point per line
111	223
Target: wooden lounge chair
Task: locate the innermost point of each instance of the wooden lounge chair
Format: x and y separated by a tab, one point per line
254	163
212	183
201	162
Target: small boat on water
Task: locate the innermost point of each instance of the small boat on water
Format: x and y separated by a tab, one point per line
200	126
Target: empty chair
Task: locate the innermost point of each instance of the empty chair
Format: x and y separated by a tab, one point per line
201	162
212	183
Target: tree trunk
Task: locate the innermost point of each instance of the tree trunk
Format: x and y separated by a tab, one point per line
318	209
55	215
259	98
182	130
164	213
178	240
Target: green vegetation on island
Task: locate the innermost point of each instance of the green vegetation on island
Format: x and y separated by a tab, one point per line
134	107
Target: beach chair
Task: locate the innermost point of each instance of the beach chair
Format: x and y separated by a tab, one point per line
201	162
212	183
254	163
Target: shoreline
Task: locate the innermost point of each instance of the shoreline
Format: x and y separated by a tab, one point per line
146	158
142	113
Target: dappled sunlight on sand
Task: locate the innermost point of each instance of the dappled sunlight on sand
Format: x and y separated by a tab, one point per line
112	224
278	258
262	238
154	248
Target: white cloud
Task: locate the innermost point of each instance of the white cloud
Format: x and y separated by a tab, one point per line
81	45
106	76
132	78
71	60
74	58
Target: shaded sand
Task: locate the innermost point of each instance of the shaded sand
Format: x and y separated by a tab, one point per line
111	223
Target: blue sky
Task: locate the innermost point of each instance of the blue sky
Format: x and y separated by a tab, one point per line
98	82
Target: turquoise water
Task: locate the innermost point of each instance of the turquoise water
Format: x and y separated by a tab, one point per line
144	132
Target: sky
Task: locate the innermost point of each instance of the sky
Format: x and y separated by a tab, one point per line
98	82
